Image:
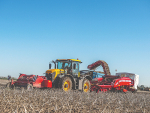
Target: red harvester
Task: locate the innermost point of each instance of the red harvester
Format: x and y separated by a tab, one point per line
110	82
117	84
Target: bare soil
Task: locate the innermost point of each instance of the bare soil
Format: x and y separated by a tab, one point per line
3	82
57	101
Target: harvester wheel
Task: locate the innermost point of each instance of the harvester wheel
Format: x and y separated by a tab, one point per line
66	84
134	91
9	86
13	86
86	86
29	87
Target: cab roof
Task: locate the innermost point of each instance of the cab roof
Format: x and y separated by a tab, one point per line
74	60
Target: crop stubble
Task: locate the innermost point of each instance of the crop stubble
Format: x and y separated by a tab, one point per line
55	100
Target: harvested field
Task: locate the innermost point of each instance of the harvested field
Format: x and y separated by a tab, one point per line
54	100
3	82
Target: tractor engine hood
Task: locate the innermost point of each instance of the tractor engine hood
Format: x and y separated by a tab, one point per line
51	74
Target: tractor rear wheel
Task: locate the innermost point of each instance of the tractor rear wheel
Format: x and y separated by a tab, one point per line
86	86
29	87
66	84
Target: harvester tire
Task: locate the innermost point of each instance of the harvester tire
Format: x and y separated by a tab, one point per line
9	86
66	84
29	87
135	91
86	86
13	86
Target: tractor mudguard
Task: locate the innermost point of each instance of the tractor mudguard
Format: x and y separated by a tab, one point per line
82	79
80	84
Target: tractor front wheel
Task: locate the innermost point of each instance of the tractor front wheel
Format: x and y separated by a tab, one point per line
66	84
86	86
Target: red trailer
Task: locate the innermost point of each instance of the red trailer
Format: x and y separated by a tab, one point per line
30	81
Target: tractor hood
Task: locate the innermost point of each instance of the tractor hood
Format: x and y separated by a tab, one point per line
54	70
52	73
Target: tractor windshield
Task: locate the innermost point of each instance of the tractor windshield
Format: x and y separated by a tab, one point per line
63	64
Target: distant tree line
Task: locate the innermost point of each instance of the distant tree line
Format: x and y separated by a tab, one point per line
6	78
142	87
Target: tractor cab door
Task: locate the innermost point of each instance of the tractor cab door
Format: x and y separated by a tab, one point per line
75	69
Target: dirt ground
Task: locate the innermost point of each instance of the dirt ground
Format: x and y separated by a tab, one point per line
3	82
57	101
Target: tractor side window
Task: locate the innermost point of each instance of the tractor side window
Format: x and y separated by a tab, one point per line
75	68
76	65
59	65
79	66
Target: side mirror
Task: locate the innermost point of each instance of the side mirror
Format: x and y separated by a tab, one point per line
50	66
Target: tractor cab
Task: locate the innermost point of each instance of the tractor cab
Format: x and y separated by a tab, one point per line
70	66
64	66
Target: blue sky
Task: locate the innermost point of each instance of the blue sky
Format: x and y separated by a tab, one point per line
34	32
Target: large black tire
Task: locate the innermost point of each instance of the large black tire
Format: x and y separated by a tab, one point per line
57	83
86	87
66	84
134	91
9	86
29	87
13	87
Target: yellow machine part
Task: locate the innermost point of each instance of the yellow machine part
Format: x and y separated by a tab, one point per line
66	85
86	87
57	71
75	60
78	74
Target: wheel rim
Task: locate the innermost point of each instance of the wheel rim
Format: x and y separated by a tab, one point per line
66	85
86	87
